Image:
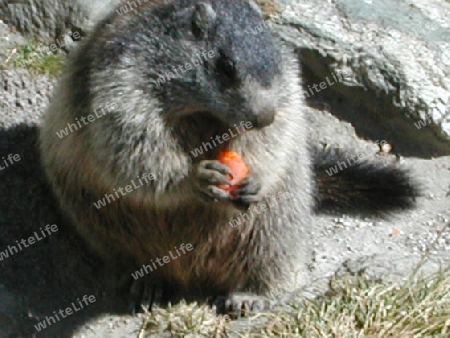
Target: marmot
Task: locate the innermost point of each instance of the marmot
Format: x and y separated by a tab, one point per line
167	79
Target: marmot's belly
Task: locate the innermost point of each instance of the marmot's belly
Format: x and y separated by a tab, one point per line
190	250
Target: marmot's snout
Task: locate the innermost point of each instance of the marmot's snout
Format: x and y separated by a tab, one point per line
263	118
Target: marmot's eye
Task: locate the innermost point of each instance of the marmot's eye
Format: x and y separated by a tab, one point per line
226	67
226	70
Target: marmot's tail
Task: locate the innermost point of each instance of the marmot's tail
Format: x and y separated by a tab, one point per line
345	183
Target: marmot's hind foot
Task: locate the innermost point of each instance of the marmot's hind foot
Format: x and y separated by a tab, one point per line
144	296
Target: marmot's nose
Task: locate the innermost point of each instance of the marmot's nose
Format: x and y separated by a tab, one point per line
264	118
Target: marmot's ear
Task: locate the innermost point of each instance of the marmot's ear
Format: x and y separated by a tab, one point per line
204	21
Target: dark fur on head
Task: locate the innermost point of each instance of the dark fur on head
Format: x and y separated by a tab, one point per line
238	78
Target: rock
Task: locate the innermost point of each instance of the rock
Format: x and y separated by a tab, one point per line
390	57
8	40
53	19
388	60
23	97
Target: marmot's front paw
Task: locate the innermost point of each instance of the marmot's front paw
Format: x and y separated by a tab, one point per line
240	304
209	174
248	191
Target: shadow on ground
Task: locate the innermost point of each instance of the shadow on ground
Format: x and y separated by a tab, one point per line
373	115
54	271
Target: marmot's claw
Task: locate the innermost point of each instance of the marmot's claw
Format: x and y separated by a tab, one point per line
249	191
240	304
209	173
144	296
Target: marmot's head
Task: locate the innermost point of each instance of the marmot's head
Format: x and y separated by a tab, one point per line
208	56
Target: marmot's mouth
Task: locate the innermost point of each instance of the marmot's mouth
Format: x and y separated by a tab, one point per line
204	136
214	141
215	135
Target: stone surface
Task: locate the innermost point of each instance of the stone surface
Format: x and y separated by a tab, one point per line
8	40
392	57
53	19
22	97
395	57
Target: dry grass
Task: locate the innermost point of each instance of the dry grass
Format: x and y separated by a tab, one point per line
416	307
413	308
36	57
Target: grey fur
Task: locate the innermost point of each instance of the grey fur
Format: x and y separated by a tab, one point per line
152	128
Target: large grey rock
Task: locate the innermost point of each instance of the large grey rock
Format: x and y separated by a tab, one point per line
395	57
389	58
53	18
